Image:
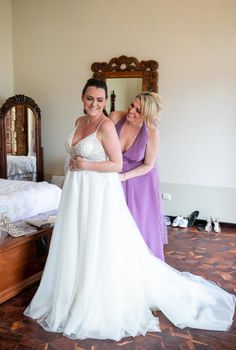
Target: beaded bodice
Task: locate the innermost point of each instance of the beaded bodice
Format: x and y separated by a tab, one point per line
90	148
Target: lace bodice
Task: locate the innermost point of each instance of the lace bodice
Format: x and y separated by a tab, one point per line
89	148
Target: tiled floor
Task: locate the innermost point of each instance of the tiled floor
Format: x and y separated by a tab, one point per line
212	256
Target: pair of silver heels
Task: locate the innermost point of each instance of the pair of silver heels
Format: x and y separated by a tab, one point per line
7	225
212	224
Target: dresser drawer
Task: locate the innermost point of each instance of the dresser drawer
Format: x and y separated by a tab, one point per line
22	260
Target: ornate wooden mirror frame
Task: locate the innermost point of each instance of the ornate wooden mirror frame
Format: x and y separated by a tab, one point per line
128	67
21	100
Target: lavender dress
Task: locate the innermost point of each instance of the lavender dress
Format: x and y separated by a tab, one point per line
143	194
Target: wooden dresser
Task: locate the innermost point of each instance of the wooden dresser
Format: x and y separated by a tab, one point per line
22	260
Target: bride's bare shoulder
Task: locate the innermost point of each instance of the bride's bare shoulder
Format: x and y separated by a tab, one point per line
80	118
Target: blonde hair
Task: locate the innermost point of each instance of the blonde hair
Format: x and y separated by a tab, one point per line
151	105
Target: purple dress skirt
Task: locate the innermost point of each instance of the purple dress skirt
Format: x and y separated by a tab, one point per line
143	195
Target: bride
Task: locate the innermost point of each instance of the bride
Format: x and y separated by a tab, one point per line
100	279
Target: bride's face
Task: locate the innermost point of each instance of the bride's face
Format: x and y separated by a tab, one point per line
94	101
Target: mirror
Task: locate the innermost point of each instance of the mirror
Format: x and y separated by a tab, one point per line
21	153
126	77
122	92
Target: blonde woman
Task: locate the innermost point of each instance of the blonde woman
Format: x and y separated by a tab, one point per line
139	140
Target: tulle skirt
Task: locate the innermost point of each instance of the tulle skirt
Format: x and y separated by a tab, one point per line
100	279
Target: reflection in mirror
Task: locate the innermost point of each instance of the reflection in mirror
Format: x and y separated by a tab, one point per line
121	92
21	156
20	143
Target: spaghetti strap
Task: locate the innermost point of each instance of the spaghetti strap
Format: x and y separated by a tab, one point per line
99	125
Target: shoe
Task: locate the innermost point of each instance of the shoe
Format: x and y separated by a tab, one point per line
183	223
7	226
177	220
201	228
216	223
167	221
208	227
192	217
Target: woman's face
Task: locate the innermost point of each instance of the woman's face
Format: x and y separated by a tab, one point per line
94	101
134	111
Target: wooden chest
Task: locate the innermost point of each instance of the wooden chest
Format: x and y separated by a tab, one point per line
22	260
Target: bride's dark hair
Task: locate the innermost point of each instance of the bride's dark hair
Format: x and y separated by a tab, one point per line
99	84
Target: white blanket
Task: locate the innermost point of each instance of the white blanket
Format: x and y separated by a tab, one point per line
23	199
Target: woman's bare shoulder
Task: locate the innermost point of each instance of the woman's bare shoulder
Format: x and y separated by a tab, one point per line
106	128
78	119
106	123
115	116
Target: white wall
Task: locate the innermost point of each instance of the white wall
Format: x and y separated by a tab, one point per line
6	57
56	41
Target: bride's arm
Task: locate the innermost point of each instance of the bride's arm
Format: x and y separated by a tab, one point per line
108	136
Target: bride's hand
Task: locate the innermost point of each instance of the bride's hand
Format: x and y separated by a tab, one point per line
77	163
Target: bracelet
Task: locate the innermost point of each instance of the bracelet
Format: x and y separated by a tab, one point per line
124	176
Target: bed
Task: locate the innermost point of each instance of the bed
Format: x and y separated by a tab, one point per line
21	167
24	199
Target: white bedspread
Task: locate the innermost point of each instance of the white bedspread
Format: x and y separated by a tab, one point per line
23	199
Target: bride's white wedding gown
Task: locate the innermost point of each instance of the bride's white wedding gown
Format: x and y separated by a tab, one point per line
100	280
